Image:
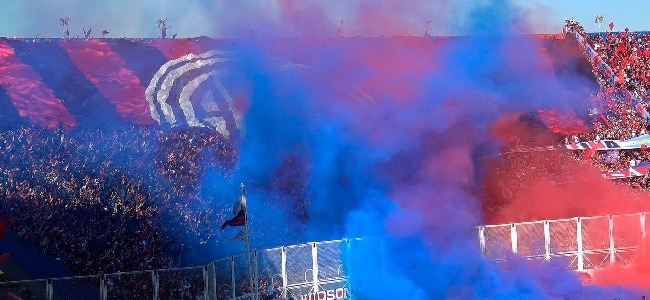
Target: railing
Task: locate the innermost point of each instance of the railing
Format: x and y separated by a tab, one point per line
302	271
585	242
312	270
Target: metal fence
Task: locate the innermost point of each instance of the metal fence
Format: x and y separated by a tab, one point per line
305	271
585	242
317	270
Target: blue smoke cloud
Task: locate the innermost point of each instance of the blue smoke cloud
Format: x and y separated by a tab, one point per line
321	162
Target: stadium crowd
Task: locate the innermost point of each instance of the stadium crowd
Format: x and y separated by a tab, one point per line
125	198
621	64
109	200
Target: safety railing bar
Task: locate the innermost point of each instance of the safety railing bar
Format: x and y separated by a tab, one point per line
77	277
332	280
181	269
300	285
560	220
22	281
129	273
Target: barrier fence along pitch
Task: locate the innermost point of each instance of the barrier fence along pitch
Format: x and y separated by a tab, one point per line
29	289
302	270
182	283
585	242
130	285
77	288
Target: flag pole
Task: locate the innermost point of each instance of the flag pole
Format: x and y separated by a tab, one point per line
248	246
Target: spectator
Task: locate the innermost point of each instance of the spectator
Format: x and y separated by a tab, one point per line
110	200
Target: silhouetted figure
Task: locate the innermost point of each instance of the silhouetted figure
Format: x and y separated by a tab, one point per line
87	33
426	31
63	22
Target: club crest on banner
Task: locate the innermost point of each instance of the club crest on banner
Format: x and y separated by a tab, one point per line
189	91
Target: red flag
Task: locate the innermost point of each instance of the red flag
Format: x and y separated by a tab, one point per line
238	220
239	210
611	26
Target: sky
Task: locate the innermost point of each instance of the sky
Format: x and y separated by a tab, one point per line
227	18
624	13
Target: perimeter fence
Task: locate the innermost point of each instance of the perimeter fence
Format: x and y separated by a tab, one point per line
317	270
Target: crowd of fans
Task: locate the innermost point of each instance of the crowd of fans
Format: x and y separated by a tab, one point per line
621	64
627	54
126	198
109	200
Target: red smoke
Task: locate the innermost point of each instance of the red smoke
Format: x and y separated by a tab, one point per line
434	98
563	123
636	275
548	184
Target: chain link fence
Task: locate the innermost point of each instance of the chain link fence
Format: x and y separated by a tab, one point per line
223	278
269	273
585	243
76	288
130	285
181	284
316	270
26	290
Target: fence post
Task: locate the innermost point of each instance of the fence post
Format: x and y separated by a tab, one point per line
205	283
232	274
612	251
642	221
156	284
283	268
314	266
348	259
257	281
481	238
547	240
102	287
213	282
513	237
579	241
49	291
